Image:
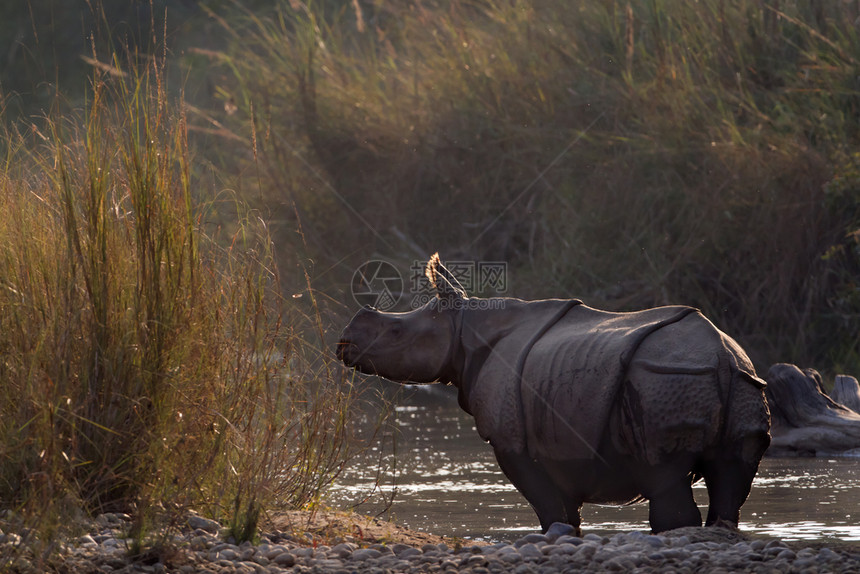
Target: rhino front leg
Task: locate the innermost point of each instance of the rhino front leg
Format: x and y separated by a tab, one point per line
533	482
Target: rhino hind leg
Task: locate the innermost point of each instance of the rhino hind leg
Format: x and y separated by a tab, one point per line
669	492
675	508
729	480
533	482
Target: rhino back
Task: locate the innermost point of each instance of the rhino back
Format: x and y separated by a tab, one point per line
572	376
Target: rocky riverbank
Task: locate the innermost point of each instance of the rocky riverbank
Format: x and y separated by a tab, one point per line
373	547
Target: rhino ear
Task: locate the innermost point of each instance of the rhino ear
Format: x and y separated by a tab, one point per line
446	285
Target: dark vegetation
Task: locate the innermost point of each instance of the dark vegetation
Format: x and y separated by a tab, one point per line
629	154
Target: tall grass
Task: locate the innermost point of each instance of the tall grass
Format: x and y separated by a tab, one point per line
148	365
630	154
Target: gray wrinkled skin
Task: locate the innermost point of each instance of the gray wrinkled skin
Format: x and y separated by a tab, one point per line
582	405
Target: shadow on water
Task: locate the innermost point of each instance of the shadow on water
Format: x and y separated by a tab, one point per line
448	483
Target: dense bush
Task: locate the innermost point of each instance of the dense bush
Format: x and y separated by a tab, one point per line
147	365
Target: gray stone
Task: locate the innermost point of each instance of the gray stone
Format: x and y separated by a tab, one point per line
228	554
367	553
786	554
199	543
547	549
826	555
511	557
592	537
675	553
532	538
586	551
407	552
398	548
529	550
476	560
618	563
562	549
273	551
801	564
565	539
302	552
285	559
206	524
557	529
772	550
343	550
604	554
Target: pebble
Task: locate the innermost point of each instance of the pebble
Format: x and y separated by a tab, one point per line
564	539
529	550
368	553
285	559
557	529
104	549
198	522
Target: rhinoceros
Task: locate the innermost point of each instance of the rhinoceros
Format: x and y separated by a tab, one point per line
582	405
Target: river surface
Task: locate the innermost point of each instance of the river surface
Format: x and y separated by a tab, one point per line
445	481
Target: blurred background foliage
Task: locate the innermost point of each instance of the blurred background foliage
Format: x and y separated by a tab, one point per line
626	153
629	154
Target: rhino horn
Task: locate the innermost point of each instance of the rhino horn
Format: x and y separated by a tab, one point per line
443	280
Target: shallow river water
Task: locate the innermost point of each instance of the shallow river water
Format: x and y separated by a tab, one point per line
447	482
